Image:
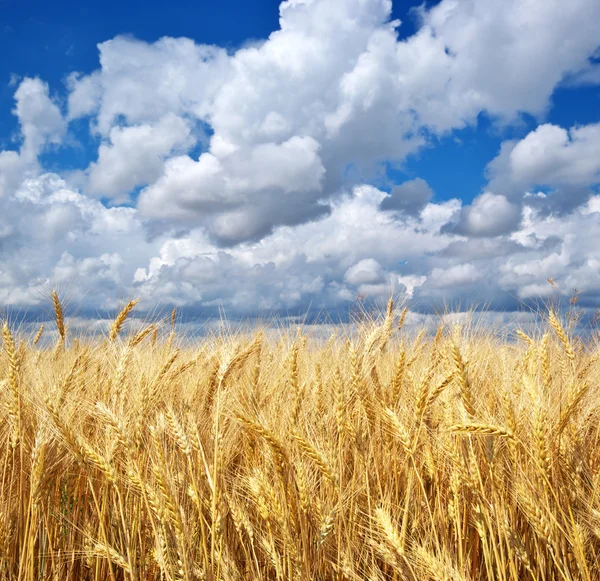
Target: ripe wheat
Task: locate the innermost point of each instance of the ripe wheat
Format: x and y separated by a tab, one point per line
387	456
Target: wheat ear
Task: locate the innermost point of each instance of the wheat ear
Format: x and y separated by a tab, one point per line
120	320
38	335
488	429
463	380
14	410
562	336
60	319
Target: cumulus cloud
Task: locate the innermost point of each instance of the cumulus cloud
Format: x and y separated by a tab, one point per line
40	124
135	156
507	56
248	191
85	94
323	263
457	275
551	156
365	271
410	197
252	166
335	78
589	74
360	249
489	215
566	162
54	236
12	168
40	119
143	82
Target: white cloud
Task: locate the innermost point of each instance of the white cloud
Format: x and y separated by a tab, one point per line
40	123
355	249
247	191
588	74
58	237
143	82
593	205
457	275
365	271
336	77
410	197
85	94
40	119
12	168
52	236
272	210
566	162
135	156
551	155
360	249
509	56
489	215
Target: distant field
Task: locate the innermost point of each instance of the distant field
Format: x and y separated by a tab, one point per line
381	457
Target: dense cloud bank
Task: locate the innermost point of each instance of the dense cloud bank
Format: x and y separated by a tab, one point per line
276	213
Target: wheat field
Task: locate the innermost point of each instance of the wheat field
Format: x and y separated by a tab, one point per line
377	456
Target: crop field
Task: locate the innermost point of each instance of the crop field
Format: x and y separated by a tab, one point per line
382	455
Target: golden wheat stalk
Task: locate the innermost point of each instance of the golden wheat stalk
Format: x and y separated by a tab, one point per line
38	457
178	432
399	429
402	318
60	319
105	551
524	337
388	530
141	335
91	456
117	325
14	367
462	380
38	335
487	429
562	336
236	359
574	403
114	421
377	340
162	483
281	457
317	457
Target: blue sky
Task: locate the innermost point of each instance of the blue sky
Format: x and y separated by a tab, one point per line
265	157
50	43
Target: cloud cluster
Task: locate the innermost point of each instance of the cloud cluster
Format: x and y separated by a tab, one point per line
409	197
333	88
549	156
40	119
101	255
489	215
52	236
243	177
135	156
41	124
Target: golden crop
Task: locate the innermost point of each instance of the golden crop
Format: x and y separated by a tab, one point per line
375	457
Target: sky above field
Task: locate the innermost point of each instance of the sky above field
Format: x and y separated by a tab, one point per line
278	157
